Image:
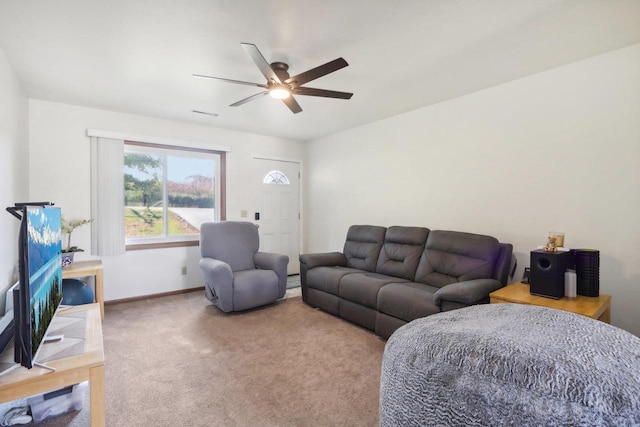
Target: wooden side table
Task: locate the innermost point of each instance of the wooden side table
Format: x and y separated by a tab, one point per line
595	307
84	269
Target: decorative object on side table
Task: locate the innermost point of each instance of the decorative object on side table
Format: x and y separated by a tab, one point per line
76	292
68	227
551	245
559	236
555	242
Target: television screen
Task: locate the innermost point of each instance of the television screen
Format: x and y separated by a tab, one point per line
40	291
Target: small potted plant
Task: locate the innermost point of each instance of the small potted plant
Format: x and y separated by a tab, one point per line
68	227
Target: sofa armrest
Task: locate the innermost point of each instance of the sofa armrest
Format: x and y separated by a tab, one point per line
216	270
504	263
467	292
271	261
309	261
218	279
323	259
277	263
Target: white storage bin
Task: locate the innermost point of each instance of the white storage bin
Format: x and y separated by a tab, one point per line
54	403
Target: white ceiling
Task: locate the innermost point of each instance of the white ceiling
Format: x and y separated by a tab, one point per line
138	56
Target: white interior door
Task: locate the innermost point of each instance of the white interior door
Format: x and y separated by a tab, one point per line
277	208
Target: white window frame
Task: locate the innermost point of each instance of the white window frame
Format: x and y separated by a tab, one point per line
219	158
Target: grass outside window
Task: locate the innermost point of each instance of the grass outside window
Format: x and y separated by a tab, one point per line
143	222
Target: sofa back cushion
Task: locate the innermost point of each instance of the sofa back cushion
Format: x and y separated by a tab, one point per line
232	242
362	247
401	251
453	256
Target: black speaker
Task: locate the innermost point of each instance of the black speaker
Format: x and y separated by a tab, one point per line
547	273
588	272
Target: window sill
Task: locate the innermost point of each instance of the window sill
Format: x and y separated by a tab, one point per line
161	245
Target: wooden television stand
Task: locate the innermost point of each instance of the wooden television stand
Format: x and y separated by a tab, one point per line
87	363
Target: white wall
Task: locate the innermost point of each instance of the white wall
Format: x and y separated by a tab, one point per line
14	146
60	172
556	151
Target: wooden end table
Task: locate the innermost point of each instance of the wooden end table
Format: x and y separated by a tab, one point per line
85	269
595	307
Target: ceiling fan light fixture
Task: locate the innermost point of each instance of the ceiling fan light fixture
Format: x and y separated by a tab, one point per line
279	93
280	85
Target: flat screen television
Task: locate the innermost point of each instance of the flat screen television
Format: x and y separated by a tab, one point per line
39	293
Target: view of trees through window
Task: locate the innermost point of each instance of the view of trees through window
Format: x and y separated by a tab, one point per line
167	195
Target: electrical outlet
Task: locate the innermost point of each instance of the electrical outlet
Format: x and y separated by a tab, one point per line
243	214
183	271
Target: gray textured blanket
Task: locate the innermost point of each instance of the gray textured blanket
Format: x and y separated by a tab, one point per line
510	365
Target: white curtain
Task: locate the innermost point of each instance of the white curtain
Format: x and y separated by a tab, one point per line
107	196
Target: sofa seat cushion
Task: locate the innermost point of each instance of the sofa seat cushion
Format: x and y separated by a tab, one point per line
362	288
327	279
253	288
407	301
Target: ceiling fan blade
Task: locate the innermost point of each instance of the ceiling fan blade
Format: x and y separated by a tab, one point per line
292	104
263	65
248	99
317	72
309	91
238	82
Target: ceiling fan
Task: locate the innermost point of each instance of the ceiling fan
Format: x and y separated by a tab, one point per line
282	86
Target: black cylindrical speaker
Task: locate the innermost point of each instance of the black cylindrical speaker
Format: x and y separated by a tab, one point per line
547	273
588	272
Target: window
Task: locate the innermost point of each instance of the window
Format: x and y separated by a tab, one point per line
169	192
276	177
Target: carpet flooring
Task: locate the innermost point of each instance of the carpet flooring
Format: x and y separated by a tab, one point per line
179	361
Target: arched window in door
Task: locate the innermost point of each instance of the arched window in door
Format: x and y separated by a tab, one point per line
276	177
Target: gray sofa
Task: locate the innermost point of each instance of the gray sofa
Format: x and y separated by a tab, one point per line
387	277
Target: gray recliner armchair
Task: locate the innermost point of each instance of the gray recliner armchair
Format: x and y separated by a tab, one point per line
237	276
